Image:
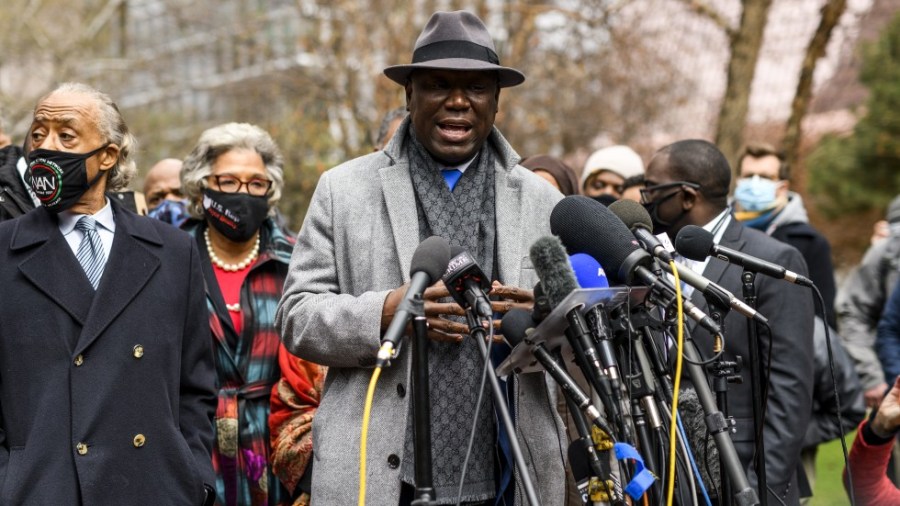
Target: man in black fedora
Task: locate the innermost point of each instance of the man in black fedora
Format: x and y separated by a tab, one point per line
447	171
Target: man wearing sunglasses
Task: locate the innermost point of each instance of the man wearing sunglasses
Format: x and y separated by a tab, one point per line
687	184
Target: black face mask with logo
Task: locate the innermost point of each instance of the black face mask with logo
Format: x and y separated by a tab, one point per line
237	216
59	179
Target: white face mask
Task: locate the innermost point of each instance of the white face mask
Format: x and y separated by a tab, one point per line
756	193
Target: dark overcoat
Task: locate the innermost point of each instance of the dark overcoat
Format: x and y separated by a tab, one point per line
106	397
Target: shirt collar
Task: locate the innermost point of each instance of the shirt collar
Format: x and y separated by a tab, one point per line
104	217
717	225
462	167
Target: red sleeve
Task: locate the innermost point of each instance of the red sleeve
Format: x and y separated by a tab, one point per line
868	465
294	400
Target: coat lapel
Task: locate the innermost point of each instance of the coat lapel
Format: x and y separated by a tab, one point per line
52	267
130	266
399	198
509	230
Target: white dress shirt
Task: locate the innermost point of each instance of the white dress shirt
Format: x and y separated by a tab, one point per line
106	228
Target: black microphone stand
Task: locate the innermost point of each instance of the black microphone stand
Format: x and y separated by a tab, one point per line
424	495
478	333
722	372
748	278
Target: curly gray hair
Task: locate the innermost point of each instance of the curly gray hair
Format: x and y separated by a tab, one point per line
219	140
113	128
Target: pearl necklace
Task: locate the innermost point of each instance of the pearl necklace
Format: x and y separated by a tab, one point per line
243	264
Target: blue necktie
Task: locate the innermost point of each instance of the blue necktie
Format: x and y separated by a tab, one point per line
90	252
451	176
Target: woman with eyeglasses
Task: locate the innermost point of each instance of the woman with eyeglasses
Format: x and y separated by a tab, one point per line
233	179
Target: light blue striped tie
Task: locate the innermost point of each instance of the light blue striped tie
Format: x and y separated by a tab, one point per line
90	252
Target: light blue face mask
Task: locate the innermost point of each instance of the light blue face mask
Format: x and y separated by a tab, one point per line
756	193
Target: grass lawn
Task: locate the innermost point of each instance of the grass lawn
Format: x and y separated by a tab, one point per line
829	490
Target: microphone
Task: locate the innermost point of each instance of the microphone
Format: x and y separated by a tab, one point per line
557	280
516	324
638	220
588	271
428	262
553	269
467	283
596	358
696	243
586	226
720	296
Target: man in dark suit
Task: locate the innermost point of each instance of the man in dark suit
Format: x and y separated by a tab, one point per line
687	184
107	382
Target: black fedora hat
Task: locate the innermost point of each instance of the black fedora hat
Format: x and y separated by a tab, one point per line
455	41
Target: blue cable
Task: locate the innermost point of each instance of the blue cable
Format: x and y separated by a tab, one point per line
690	456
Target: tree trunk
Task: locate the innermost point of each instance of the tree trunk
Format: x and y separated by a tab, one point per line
745	47
831	14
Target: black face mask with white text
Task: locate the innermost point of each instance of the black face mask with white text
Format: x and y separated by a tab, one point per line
59	179
237	216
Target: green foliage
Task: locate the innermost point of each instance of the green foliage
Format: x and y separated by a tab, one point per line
859	172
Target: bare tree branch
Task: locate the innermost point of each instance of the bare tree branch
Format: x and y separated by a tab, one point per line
704	9
831	14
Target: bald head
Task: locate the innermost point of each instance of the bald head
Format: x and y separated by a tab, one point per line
162	182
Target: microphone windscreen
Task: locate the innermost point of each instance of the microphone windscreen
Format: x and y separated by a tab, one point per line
514	325
632	214
553	269
694	242
431	257
586	226
693	418
588	271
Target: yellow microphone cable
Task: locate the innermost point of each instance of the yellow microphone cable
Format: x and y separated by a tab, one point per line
386	351
670	489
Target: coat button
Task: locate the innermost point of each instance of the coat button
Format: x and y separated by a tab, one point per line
79	360
138	351
401	390
139	440
393	461
81	448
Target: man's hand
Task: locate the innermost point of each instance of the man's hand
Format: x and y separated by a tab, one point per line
887	419
873	395
510	297
442	329
439	329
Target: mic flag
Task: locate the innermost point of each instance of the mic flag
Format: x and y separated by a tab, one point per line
467	283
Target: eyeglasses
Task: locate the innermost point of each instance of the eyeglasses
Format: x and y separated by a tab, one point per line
648	192
258	187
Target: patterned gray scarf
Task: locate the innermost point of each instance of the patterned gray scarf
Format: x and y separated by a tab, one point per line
466	218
